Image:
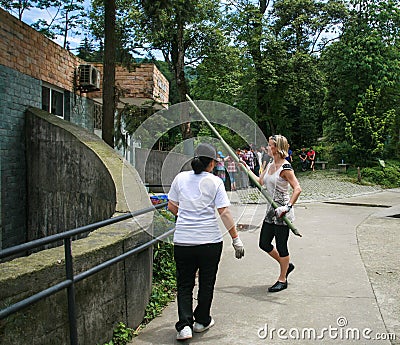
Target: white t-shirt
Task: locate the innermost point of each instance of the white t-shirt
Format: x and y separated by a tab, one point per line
197	195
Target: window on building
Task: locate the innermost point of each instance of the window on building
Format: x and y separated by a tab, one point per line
53	100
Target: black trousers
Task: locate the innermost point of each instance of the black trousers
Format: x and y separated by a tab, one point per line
204	258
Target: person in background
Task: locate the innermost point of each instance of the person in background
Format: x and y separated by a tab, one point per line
256	168
265	158
243	178
250	161
277	177
259	157
220	166
311	158
303	159
289	158
193	197
232	171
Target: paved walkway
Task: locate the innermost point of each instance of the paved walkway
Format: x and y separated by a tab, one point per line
344	287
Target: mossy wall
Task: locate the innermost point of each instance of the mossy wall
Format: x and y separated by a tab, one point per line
76	178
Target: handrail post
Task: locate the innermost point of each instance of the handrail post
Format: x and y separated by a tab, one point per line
73	333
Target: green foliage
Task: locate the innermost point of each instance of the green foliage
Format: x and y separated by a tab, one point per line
221	76
121	335
181	30
89	52
66	16
388	177
369	128
129	119
342	151
283	79
392	144
366	55
68	19
164	280
322	152
231	138
17	7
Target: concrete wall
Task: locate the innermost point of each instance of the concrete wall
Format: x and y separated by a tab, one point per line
68	185
119	293
160	167
18	91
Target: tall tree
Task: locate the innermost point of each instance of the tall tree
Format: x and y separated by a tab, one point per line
369	128
282	38
223	75
125	43
67	18
181	30
366	56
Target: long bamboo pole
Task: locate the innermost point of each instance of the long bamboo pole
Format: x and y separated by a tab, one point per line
236	158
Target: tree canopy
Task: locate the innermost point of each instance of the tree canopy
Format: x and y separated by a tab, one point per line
308	69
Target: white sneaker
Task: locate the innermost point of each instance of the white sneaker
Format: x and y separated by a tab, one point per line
185	333
198	327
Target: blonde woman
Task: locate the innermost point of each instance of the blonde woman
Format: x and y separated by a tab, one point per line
277	177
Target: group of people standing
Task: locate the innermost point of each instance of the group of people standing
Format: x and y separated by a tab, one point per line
193	198
256	160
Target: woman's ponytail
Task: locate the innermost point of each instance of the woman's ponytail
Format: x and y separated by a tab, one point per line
199	164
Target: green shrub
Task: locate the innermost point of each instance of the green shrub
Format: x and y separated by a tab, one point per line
343	151
321	152
388	177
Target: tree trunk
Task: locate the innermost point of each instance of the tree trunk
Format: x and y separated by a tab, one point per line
178	60
263	105
109	104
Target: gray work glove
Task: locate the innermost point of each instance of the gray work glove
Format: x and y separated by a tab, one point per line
238	246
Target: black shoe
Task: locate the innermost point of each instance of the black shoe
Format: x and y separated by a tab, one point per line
290	269
278	286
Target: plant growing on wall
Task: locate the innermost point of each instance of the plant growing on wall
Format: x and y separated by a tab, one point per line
121	335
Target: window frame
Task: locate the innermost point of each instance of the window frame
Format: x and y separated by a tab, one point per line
52	91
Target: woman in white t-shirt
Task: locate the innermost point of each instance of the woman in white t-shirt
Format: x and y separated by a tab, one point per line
193	197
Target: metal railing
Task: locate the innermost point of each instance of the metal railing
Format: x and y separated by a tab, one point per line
71	279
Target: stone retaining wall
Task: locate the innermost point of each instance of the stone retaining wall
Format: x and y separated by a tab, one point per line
160	167
87	182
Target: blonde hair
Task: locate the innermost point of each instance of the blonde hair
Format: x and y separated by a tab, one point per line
281	144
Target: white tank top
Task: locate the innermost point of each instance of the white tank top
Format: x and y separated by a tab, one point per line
278	189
